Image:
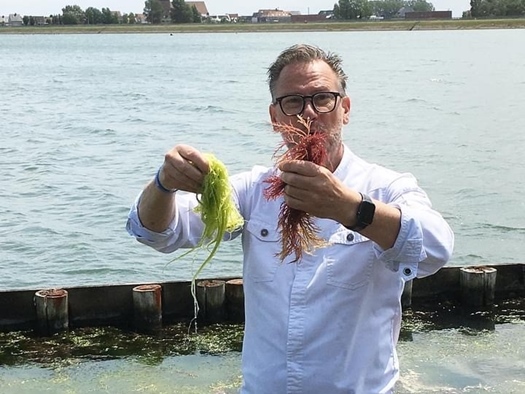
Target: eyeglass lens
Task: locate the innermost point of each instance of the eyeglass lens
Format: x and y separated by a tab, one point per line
322	102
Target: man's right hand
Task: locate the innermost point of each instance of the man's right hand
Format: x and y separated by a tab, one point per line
184	168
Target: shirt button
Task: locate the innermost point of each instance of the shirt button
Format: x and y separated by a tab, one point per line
350	237
407	271
264	232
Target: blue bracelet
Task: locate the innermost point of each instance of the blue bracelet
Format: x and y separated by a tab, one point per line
160	186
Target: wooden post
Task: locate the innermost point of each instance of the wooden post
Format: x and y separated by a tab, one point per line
147	308
235	300
51	311
406	297
477	286
211	296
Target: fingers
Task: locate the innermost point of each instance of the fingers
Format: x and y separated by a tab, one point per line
311	188
302	174
184	168
302	182
302	167
193	156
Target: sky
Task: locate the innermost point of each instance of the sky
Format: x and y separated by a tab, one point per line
246	7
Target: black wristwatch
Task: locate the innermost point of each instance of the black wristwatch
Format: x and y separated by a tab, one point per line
365	213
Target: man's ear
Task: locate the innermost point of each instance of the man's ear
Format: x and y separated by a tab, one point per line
346	106
271	109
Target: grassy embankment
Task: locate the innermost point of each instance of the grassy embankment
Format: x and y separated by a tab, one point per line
456	24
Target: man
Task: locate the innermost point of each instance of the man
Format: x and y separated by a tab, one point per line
328	323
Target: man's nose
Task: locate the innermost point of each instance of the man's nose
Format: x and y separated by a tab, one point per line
309	110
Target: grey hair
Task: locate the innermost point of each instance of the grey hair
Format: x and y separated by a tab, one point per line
303	53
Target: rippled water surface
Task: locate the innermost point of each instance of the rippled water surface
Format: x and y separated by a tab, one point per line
87	119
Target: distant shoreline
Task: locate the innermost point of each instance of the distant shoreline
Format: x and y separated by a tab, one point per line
401	25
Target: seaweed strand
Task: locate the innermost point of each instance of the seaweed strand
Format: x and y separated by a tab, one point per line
218	214
297	229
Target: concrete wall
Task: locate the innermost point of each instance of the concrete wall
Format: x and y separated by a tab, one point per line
113	305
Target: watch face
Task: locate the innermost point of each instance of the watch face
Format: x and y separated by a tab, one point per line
366	213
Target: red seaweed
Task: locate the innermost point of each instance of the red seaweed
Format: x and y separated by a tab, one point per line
297	229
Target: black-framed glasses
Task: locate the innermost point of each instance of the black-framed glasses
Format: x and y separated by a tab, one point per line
293	104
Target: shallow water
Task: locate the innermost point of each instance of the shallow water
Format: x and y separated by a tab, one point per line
438	353
86	120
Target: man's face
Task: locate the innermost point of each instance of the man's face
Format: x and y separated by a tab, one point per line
308	79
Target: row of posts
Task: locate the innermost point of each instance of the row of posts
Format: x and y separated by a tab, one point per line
221	300
218	300
477	285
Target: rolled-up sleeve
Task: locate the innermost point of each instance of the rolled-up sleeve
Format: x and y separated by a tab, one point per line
178	234
425	241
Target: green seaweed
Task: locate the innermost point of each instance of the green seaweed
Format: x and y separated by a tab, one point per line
218	213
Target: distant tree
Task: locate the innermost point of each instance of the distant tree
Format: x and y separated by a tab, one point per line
389	8
93	16
181	12
386	8
153	11
108	17
73	15
509	8
69	19
474	8
196	16
420	5
352	9
366	9
56	19
487	9
132	18
25	19
515	7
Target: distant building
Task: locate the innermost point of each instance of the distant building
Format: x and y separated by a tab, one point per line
328	14
166	7
40	20
3	20
218	18
322	16
271	16
402	12
428	15
234	18
200	6
15	20
141	19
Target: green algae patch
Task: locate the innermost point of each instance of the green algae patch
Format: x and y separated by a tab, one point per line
111	343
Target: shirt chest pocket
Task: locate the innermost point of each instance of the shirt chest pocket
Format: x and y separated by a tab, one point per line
349	260
261	243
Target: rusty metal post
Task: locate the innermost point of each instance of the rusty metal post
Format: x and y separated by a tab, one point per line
147	308
235	300
51	311
478	286
211	295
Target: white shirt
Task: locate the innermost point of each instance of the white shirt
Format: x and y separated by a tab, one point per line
329	323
